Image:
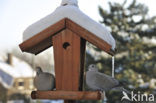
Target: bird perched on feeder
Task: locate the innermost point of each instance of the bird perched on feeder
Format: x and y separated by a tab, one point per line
43	80
100	81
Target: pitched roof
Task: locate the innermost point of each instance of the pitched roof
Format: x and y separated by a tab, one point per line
73	15
18	68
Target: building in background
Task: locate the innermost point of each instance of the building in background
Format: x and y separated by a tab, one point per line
16	79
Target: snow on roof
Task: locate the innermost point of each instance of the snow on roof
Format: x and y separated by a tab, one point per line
69	2
17	69
72	12
6	79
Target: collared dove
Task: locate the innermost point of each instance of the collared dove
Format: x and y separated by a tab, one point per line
69	2
100	81
43	80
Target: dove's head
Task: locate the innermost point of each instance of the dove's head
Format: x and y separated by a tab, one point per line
69	2
92	67
38	70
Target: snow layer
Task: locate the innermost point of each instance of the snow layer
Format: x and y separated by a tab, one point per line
17	69
6	79
69	2
73	13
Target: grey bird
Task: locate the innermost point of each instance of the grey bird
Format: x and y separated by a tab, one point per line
44	81
102	82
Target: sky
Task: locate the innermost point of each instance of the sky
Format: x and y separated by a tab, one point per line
17	15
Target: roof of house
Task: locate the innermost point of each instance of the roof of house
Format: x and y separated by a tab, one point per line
18	69
73	13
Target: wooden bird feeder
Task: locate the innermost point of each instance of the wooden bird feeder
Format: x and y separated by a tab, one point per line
69	42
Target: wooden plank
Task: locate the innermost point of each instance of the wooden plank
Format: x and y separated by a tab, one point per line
41	46
66	95
76	61
67	61
57	42
67	69
90	37
32	45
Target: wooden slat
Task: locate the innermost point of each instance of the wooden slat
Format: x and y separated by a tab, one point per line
41	46
88	36
67	61
32	45
76	62
66	95
67	70
57	42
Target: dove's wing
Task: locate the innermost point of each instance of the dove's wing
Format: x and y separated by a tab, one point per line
105	82
90	80
52	79
49	80
44	81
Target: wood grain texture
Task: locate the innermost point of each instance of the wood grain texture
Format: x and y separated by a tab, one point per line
66	95
67	61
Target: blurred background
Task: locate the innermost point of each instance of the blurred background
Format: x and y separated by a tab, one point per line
131	22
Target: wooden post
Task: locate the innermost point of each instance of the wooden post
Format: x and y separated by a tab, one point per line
68	61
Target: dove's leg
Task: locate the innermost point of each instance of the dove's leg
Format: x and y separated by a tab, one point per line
103	96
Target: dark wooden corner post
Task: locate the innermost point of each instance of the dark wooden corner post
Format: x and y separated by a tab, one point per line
69	51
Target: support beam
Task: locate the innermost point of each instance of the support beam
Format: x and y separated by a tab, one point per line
66	95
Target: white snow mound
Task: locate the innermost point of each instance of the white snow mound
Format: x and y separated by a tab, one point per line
69	2
73	13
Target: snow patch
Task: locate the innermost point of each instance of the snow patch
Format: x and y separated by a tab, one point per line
73	13
69	2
